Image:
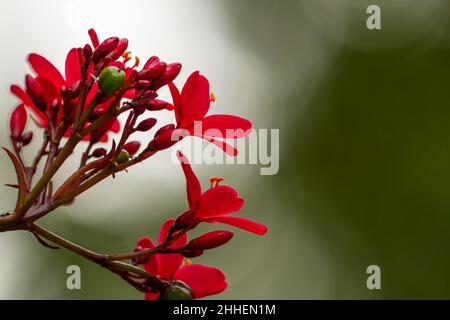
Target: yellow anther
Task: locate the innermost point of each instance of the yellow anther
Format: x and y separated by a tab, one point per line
213	97
187	262
215	181
136	62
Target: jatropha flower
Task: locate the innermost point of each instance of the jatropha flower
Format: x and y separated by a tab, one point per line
100	83
201	280
191	107
214	205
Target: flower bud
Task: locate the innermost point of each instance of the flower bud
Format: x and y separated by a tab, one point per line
132	147
177	290
156	104
172	71
167	139
35	92
123	157
150	62
186	220
96	113
152	71
142	84
165	128
17	121
26	138
99	152
87	51
191	253
105	48
146	124
138	110
119	50
111	79
210	240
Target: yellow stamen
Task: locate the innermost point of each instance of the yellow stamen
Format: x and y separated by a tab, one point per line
213	97
136	62
187	262
215	181
126	56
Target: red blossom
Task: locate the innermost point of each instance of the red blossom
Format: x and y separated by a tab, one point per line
191	107
203	280
214	204
47	87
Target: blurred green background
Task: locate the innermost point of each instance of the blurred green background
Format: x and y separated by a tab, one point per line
364	119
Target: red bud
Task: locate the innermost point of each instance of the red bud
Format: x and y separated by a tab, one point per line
132	147
152	71
105	48
156	104
151	61
120	49
192	253
35	91
172	71
146	124
167	139
17	121
186	220
210	240
164	129
99	152
26	138
87	51
142	84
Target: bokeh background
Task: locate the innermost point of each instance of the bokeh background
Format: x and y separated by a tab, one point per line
364	119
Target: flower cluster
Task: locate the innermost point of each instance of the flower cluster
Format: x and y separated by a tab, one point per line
103	80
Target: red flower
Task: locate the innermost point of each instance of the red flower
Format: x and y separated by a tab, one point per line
48	85
214	204
191	107
203	280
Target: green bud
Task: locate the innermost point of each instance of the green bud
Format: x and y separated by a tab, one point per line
123	156
178	290
111	79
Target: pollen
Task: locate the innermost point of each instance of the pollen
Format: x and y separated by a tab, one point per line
213	97
136	62
187	262
215	181
126	56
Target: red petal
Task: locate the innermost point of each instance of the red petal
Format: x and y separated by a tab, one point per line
151	266
219	201
22	95
242	223
203	280
226	126
176	101
193	187
94	37
232	151
195	99
45	69
73	73
168	264
49	90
